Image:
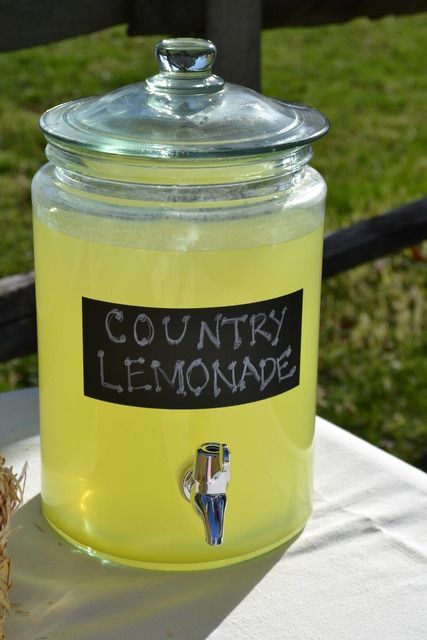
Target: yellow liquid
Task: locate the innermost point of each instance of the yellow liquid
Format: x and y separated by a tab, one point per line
112	474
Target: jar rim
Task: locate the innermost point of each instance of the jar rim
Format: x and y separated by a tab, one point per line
179	172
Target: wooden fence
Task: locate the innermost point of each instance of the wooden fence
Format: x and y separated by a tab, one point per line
235	26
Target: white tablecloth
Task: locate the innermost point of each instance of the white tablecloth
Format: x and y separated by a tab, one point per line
357	572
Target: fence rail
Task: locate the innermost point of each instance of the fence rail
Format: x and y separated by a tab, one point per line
25	23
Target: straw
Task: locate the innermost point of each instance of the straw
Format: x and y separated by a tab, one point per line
11	497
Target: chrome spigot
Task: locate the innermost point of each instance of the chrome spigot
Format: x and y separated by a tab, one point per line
205	485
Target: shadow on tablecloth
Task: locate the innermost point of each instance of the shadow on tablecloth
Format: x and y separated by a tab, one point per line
61	593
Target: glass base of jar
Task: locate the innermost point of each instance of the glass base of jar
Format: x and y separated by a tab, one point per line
286	541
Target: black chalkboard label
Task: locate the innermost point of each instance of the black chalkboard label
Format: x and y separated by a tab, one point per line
191	358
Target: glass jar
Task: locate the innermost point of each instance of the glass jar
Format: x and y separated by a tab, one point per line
178	234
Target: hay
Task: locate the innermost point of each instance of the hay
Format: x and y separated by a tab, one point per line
11	496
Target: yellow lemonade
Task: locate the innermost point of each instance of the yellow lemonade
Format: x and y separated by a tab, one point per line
112	473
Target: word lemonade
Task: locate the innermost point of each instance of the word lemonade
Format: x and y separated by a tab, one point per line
265	362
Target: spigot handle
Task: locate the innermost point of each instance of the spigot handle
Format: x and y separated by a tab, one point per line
212	468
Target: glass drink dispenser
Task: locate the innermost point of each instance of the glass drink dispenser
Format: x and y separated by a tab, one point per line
178	241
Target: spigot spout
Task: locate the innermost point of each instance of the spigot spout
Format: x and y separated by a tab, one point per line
206	487
212	511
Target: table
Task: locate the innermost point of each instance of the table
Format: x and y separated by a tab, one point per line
358	571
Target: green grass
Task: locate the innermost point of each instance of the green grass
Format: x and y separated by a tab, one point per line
369	78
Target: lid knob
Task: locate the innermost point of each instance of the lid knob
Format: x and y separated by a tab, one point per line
185	55
185	67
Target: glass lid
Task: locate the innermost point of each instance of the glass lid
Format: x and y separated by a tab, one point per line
182	112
